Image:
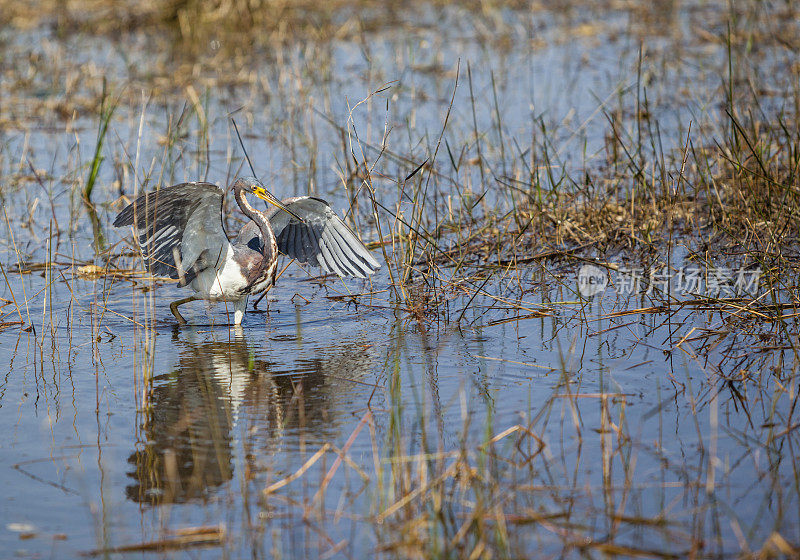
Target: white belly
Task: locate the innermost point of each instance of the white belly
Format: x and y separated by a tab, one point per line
225	283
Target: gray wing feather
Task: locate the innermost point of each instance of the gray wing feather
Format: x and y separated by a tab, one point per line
305	243
323	256
323	239
348	251
204	239
326	259
297	242
179	229
341	265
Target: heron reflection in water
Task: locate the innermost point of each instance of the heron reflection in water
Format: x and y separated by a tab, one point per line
190	424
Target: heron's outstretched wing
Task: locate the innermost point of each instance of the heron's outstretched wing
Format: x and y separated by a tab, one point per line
323	239
179	229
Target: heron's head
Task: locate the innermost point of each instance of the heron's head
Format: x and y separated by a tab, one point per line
257	188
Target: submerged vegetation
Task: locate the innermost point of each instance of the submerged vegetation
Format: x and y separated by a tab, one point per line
472	401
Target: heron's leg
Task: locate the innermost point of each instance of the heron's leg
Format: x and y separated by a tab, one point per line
259	298
239	308
174	308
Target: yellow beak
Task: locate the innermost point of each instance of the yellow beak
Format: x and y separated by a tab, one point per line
269	198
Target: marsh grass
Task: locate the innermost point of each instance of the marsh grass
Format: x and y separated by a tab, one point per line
480	227
729	196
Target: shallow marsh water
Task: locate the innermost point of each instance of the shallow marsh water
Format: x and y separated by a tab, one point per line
304	433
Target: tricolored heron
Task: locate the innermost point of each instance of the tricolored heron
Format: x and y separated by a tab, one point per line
181	235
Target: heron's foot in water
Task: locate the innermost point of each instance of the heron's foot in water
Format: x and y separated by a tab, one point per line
174	308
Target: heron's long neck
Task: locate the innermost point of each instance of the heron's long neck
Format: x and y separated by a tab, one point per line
257	216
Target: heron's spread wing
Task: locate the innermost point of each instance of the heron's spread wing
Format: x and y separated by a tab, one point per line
179	229
323	240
